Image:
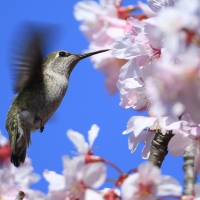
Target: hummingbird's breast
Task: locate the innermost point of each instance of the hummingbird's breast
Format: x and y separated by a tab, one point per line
55	87
44	99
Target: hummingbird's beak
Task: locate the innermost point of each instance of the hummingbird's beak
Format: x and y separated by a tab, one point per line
82	56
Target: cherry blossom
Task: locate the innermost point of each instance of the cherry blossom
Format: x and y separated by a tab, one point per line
137	124
153	7
136	47
78	180
78	139
83	177
178	90
56	185
108	65
101	23
132	86
197	192
13	180
185	138
99	20
179	24
111	194
148	183
146	138
136	44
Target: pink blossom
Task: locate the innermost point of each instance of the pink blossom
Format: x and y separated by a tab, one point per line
102	23
178	25
148	183
13	179
111	194
83	177
78	180
158	5
137	124
176	91
197	192
132	87
9	193
108	65
187	137
98	19
56	185
79	141
145	137
146	9
136	44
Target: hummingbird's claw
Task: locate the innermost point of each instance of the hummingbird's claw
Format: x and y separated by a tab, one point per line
41	129
37	119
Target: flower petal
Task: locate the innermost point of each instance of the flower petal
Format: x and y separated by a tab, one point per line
147	141
78	140
92	134
129	187
169	186
197	161
94	174
178	144
57	181
91	195
138	123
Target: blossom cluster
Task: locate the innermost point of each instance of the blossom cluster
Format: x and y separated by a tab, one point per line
84	174
161	75
12	179
101	24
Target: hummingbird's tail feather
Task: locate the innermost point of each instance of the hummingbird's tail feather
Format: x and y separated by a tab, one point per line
20	141
16	160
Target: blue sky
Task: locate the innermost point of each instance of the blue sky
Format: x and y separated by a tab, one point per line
86	102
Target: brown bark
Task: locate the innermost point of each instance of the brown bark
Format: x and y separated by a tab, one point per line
159	148
20	195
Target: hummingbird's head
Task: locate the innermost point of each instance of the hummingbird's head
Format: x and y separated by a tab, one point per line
63	62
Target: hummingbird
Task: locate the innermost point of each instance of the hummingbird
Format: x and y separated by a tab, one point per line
40	85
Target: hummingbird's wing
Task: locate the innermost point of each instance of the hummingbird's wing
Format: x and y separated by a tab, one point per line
27	65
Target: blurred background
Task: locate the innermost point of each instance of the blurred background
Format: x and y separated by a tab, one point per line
87	101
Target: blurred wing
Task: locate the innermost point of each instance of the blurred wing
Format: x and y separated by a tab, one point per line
27	65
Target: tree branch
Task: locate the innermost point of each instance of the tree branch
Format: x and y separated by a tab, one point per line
189	175
20	195
159	148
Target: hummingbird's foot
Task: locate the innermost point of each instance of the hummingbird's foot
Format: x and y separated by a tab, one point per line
37	119
41	129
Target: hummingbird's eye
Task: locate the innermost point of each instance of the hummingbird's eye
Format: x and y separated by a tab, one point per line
62	54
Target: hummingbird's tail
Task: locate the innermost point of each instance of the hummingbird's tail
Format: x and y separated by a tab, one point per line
17	159
19	134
